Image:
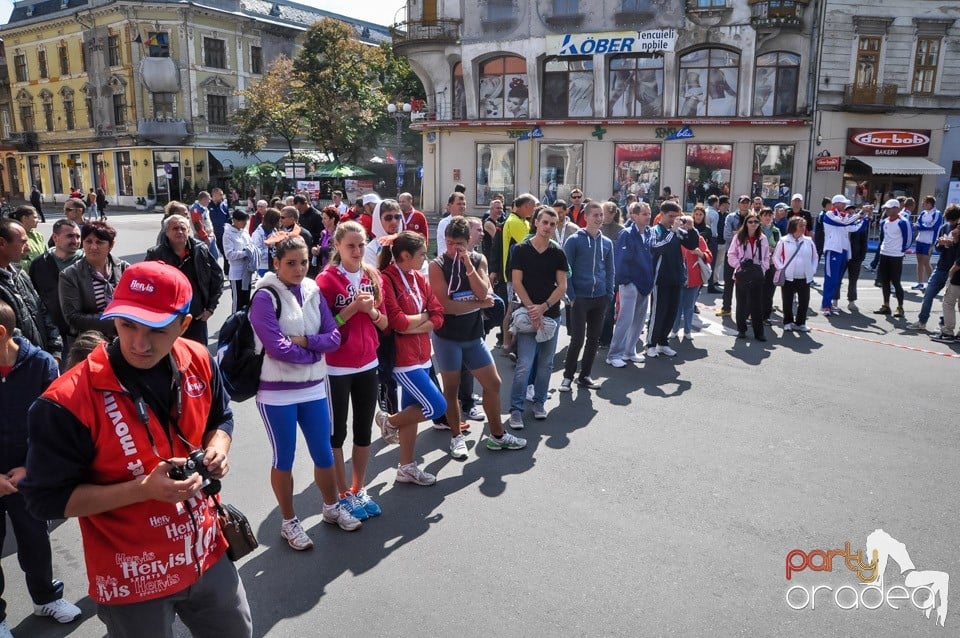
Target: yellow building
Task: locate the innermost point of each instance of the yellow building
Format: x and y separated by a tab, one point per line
123	94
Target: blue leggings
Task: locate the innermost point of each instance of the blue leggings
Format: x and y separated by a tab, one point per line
281	422
419	388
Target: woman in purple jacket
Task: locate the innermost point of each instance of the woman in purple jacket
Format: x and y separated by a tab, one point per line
292	388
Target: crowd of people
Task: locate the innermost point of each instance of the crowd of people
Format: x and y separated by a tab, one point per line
107	361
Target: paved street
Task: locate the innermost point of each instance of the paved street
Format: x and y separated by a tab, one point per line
664	503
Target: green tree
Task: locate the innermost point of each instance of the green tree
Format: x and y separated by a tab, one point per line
274	107
341	94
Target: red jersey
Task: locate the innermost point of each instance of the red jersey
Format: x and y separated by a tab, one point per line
359	338
417	222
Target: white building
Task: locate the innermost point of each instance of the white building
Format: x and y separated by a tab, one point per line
613	96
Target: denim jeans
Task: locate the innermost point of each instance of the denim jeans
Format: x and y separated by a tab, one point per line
629	324
938	279
527	348
688	301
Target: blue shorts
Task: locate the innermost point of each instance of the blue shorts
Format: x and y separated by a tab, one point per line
418	388
453	355
924	249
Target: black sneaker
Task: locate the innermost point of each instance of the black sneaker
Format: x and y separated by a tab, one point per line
587	382
944	338
741	335
882	310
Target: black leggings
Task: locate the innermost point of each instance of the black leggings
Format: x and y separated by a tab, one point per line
889	271
750	304
361	387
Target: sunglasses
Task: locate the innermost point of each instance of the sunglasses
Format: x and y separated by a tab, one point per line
576	197
390	218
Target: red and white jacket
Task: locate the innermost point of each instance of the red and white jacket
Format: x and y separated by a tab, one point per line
359	338
410	294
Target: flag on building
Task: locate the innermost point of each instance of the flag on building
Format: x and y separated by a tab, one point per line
390	158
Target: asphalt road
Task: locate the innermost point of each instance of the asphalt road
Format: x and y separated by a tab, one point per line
663	504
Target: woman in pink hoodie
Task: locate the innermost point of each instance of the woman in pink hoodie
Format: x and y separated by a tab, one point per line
749	256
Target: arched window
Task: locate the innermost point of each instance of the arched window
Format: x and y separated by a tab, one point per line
775	88
567	88
459	103
708	83
504	93
635	86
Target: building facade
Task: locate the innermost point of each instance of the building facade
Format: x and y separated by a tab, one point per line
613	96
888	80
136	97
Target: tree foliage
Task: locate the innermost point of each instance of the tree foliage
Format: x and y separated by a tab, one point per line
341	93
274	107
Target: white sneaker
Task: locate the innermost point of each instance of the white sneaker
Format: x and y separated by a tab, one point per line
688	336
4	630
340	515
292	532
787	327
410	473
652	352
667	350
458	447
60	610
516	420
389	432
803	328
636	358
565	385
476	414
530	392
617	363
917	325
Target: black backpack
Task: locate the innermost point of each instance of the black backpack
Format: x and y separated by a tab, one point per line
237	355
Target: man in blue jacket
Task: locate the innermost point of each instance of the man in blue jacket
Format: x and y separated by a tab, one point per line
633	263
590	255
25	372
670	276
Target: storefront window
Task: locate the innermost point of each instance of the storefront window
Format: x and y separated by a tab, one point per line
567	88
775	91
495	169
773	172
635	86
708	83
561	170
504	93
124	173
76	171
56	177
708	172
636	171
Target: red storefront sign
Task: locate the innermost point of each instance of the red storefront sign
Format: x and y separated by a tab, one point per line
904	142
827	164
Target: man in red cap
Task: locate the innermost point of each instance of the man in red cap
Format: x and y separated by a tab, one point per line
103	439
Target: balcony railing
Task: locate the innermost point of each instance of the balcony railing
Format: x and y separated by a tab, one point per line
870	96
414	31
777	13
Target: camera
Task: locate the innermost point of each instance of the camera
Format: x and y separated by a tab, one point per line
194	465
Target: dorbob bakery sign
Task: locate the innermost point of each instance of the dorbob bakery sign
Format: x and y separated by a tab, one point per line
868	141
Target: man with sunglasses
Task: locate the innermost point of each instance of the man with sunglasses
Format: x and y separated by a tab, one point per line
575	212
103	440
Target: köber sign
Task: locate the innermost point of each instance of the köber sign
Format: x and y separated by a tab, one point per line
904	142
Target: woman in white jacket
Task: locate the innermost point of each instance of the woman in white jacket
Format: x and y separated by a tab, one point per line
243	256
796	256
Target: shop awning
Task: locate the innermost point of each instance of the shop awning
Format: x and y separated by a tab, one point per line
235	159
900	165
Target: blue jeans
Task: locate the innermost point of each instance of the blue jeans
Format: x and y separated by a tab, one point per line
527	348
688	300
938	279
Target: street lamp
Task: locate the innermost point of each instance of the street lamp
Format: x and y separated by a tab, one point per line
399	113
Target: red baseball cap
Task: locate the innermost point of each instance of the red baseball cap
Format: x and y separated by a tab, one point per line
151	293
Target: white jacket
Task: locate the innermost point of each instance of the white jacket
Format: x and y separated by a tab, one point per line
239	250
295	321
804	265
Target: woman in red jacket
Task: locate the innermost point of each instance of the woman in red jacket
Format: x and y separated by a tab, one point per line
352	290
689	294
413	313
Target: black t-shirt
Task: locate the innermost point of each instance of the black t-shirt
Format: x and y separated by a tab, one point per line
469	326
540	272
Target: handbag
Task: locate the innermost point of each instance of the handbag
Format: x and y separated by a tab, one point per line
750	273
705	270
780	275
237	530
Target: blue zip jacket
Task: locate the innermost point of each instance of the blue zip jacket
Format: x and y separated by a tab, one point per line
591	260
33	371
633	258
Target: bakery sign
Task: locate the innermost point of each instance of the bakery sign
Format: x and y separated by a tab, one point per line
910	142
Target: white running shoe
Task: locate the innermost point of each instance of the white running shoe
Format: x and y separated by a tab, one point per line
653	352
340	515
389	432
60	610
636	358
410	473
667	350
565	385
803	328
617	363
476	414
788	327
292	532
458	447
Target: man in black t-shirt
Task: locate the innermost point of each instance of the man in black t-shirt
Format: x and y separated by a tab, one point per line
539	275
